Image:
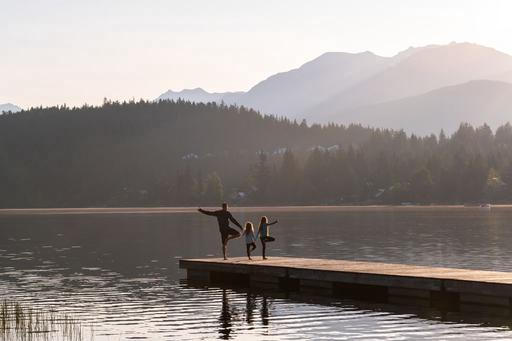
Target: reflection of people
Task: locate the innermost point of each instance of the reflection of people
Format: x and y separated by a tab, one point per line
264	311
250	239
223	218
225	318
250	305
264	233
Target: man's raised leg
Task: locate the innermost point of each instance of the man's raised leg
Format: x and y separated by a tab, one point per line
233	236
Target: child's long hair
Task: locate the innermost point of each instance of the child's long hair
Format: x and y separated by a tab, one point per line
263	220
248	227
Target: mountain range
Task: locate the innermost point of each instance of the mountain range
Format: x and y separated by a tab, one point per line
9	107
421	90
199	95
478	102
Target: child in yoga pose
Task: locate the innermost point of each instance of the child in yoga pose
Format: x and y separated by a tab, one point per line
250	239
264	233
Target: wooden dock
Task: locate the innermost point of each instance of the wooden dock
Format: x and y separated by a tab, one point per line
487	292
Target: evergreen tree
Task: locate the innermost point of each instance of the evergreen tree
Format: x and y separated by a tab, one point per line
214	190
261	178
421	185
147	153
289	177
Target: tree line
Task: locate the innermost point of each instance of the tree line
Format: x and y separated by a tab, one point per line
182	153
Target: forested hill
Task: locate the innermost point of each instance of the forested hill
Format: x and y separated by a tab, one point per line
179	153
130	153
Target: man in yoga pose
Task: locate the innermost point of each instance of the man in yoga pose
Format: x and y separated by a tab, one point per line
226	232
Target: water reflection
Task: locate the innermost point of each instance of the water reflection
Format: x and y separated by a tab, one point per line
121	272
305	317
250	306
226	315
230	315
264	311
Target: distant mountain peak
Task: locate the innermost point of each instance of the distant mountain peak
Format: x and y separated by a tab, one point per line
417	71
9	107
290	93
201	90
336	83
476	102
199	95
184	91
411	50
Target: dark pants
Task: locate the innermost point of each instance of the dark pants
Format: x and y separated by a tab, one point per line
250	247
263	241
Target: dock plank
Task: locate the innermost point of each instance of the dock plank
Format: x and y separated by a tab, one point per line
358	267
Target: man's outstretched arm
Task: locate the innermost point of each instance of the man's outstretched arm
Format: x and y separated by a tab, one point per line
233	220
206	212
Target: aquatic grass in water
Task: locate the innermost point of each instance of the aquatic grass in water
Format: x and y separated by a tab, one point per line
21	323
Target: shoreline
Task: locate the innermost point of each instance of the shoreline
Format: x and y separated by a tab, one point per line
188	209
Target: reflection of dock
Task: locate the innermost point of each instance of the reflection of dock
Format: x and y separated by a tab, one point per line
448	289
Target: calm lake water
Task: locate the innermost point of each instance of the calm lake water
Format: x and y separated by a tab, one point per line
119	271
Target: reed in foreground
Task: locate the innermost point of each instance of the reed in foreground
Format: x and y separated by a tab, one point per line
18	322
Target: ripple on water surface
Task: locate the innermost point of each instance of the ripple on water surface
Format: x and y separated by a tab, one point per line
119	273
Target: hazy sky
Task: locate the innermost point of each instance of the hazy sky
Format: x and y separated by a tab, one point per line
75	52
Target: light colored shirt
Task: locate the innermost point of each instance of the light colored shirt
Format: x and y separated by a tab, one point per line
249	237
